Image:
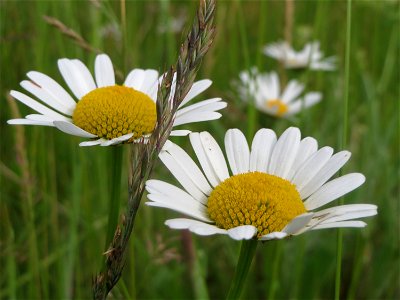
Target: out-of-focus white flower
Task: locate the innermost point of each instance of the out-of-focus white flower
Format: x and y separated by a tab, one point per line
268	97
310	57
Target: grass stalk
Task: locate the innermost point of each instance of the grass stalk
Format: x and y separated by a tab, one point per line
115	195
247	252
339	244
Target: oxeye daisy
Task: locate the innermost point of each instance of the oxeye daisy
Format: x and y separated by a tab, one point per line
309	57
268	97
105	112
275	189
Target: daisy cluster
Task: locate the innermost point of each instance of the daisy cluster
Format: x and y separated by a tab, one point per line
277	98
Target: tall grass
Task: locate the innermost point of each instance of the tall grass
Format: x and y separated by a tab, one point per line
54	194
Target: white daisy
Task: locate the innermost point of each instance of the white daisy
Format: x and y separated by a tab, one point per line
310	57
275	190
264	88
107	113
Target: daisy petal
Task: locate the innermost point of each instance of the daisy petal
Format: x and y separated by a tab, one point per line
104	71
28	101
135	79
150	78
180	132
197	88
73	77
197	227
92	143
29	122
187	164
237	151
298	223
284	153
244	232
327	171
356	224
311	166
53	88
292	91
273	236
72	129
214	156
193	117
261	149
309	100
334	189
307	147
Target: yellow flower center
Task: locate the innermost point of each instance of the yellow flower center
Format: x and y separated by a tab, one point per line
113	111
265	201
278	105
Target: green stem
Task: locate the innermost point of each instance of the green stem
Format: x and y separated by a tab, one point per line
339	245
113	208
247	251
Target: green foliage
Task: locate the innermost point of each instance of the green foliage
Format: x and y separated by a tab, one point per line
54	194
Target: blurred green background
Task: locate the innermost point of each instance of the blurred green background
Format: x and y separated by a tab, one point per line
53	208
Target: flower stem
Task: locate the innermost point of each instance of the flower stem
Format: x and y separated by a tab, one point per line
247	251
113	208
339	244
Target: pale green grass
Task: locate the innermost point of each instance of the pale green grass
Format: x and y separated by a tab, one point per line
54	206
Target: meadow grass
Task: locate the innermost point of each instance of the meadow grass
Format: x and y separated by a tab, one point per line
54	194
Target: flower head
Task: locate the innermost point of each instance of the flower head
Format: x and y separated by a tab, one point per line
265	89
275	190
105	112
310	57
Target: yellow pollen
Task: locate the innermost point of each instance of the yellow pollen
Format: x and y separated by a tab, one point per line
265	201
113	111
280	107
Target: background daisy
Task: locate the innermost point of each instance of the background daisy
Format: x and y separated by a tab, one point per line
268	96
309	57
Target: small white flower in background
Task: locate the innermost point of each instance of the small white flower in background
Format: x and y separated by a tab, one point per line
265	89
106	112
310	57
275	190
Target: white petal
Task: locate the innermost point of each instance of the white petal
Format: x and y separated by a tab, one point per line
344	209
53	88
117	140
104	71
237	150
308	146
213	104
297	223
76	77
292	91
180	132
261	149
91	143
28	101
189	166
135	79
334	189
351	216
273	236
326	172
197	227
193	117
202	157
37	117
72	129
197	88
275	89
45	97
88	79
29	122
284	153
214	155
309	100
182	176
307	171
244	232
150	78
357	224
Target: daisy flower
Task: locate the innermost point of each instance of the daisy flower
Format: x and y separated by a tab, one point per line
105	112
310	57
276	188
264	88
